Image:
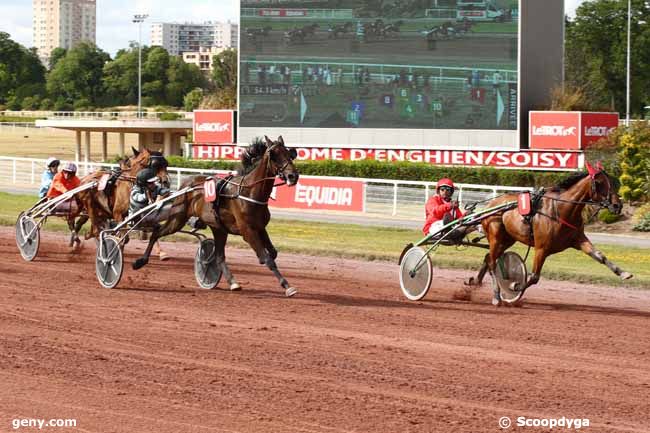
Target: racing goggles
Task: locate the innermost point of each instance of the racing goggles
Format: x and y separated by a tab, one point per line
446	188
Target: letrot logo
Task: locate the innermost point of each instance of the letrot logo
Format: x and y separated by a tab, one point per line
597	131
213	127
554	131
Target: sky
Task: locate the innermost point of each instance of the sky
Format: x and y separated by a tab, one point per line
114	26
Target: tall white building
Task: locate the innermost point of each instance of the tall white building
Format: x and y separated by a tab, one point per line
178	38
62	23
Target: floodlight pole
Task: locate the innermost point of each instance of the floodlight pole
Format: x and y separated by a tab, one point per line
139	19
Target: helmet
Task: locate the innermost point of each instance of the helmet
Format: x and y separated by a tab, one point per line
70	166
445	182
145	176
52	162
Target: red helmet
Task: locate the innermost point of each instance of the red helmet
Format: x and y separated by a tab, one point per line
445	182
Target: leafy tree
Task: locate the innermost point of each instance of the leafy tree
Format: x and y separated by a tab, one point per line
193	99
19	67
224	78
182	78
634	157
78	75
56	55
120	77
224	69
596	52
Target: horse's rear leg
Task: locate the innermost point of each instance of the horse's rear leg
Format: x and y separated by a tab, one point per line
255	240
587	247
220	238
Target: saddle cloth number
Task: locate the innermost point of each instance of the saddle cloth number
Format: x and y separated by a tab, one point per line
210	191
524	204
103	181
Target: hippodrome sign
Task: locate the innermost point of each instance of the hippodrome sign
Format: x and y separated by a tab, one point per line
528	159
569	130
214	126
321	194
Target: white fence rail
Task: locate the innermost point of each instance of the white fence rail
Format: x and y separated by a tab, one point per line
105	115
383	197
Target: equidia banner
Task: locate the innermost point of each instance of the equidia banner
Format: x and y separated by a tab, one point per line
320	194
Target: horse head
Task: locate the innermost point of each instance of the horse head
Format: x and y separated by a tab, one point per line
281	160
150	159
604	188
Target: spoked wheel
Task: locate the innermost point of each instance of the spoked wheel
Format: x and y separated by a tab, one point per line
206	269
28	237
109	262
415	272
510	277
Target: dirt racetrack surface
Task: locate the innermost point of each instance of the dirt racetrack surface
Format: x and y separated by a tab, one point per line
348	353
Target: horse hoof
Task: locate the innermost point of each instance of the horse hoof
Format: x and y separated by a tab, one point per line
235	287
290	292
496	300
626	276
139	263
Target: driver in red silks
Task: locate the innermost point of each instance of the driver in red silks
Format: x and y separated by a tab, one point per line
440	208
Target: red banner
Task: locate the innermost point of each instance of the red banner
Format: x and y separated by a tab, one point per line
214	126
596	126
321	194
531	159
554	130
569	130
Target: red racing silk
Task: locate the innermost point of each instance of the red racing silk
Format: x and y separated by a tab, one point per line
436	208
60	185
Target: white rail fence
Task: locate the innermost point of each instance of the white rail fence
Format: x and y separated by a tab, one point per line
383	197
96	115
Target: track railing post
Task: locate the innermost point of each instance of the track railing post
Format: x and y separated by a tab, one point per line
178	179
14	171
395	199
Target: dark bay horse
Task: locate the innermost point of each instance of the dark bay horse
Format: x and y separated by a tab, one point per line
113	203
556	225
242	207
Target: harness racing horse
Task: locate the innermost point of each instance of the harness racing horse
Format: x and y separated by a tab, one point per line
556	225
241	208
113	202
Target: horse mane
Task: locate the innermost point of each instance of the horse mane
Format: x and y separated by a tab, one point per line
570	181
251	156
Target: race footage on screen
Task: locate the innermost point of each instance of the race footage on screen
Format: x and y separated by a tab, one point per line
419	64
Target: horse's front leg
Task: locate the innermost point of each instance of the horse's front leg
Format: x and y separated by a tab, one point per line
268	244
255	238
583	244
220	239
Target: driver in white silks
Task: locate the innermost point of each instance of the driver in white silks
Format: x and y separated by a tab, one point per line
146	190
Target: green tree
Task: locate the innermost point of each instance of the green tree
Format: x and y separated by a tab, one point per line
596	51
181	78
21	72
78	75
120	77
634	157
56	55
193	99
224	78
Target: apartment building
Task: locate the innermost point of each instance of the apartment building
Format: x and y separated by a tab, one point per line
203	57
62	23
178	38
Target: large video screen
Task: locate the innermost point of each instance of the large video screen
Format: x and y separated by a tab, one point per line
379	64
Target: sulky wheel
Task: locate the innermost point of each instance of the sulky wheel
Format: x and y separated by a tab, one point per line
510	277
109	262
415	274
28	237
206	269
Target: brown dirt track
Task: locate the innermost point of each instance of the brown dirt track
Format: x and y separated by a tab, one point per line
349	353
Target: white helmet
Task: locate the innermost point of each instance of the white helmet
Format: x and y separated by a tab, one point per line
51	161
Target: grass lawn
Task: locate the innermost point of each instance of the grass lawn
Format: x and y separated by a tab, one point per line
19	119
374	243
